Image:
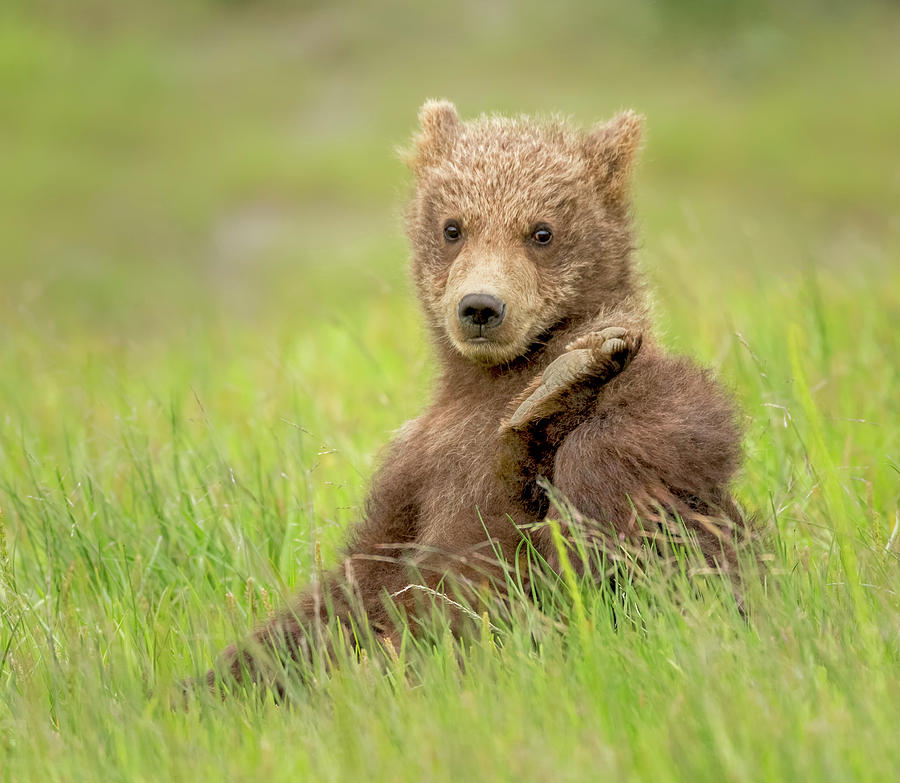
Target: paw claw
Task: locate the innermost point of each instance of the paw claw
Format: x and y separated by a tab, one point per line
613	345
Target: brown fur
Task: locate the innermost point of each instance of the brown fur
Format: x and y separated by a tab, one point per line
458	489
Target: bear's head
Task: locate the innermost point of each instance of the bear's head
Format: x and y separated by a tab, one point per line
518	226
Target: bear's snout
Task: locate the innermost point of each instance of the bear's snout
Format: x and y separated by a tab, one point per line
478	312
490	306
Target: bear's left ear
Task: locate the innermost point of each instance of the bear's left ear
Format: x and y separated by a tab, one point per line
610	150
439	124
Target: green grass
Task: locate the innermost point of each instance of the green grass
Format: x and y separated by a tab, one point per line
207	336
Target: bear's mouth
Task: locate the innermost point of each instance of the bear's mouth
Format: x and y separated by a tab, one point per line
487	348
479	334
486	343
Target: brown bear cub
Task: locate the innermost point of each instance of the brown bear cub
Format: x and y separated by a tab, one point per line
522	256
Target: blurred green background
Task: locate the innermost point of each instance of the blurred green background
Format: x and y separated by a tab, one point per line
173	164
207	334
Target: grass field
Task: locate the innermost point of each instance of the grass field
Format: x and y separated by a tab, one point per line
206	336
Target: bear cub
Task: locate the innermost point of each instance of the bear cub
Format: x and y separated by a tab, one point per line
522	249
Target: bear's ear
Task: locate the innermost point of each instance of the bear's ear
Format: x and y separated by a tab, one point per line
439	124
611	149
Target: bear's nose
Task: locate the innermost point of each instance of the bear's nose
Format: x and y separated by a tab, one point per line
481	310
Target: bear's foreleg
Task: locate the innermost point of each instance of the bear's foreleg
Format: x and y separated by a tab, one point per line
654	460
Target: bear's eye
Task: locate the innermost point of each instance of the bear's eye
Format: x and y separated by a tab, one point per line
542	235
452	231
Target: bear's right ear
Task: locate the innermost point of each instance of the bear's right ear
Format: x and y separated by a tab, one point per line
611	149
439	124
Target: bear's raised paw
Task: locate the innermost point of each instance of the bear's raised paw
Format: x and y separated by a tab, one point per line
588	363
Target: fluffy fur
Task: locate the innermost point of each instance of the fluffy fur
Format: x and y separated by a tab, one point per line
638	435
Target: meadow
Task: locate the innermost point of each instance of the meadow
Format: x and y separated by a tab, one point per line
207	335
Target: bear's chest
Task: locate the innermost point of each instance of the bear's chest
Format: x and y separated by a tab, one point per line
463	490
